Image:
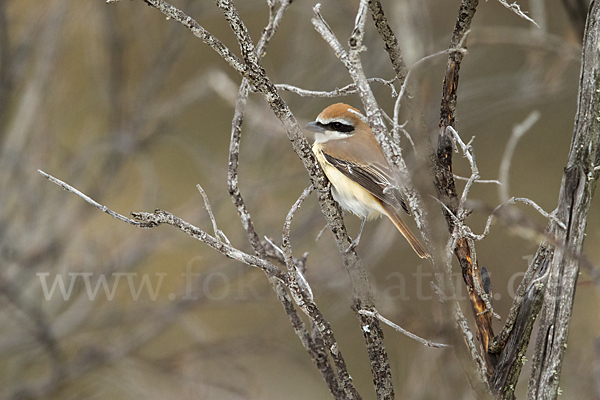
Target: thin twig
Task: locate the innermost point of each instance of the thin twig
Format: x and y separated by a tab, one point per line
338	92
286	244
321	233
347	90
218	233
514	7
293	269
512	200
278	249
462	178
468	153
463	231
518	132
398	328
415	66
486	229
529	202
151	220
93	202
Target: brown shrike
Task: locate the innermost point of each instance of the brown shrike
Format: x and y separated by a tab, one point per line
361	178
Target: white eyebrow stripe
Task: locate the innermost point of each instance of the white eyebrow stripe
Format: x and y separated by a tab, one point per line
330	120
359	115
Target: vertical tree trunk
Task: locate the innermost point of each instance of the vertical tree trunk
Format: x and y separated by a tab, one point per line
578	184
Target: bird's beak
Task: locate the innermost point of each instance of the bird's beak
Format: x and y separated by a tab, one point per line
314	127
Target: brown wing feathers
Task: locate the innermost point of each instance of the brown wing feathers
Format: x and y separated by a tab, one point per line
374	179
371	177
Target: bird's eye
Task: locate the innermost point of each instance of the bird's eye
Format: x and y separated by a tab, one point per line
336	125
340	127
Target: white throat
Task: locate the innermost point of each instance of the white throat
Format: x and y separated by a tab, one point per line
322	137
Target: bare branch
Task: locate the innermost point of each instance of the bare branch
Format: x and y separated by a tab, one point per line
198	31
338	92
550	216
513	219
363	296
287	247
576	193
443	175
93	202
315	343
446	187
550	281
408	74
159	217
345	91
460	230
149	220
468	153
295	272
232	171
218	233
514	7
462	178
389	40
392	47
518	131
480	362
398	328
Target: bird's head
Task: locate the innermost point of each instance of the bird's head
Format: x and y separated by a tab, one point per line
338	121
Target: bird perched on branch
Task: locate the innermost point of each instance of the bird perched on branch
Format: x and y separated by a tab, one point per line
362	180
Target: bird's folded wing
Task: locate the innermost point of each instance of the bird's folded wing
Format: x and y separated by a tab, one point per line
375	178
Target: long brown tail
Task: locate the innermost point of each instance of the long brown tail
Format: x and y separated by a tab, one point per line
405	231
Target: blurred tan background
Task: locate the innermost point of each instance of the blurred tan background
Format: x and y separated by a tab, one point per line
135	111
